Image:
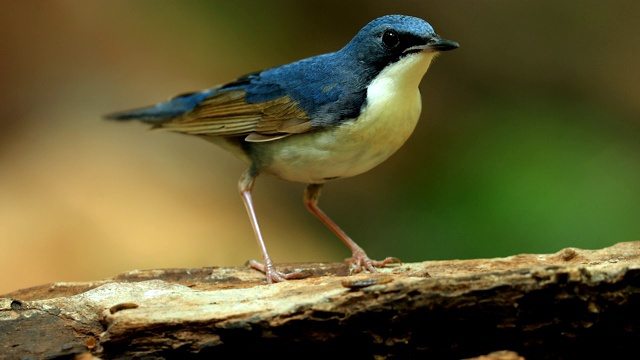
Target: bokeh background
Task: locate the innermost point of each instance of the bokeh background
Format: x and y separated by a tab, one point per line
529	139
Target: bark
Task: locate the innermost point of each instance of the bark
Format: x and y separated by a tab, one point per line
569	305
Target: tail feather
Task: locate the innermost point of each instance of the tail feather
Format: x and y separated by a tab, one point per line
163	111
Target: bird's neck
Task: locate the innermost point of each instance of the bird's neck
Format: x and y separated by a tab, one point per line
404	75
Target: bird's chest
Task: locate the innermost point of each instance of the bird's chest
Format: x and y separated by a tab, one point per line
354	147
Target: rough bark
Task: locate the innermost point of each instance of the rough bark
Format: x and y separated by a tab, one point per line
568	305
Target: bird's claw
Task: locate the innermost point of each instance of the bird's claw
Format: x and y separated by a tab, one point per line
274	276
360	261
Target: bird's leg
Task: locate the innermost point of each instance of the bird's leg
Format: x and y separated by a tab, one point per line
245	185
359	259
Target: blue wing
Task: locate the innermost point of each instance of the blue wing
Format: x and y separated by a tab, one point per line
224	111
262	106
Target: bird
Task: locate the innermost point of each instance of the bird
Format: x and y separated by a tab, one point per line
313	121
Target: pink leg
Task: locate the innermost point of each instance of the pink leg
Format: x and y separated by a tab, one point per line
359	259
245	185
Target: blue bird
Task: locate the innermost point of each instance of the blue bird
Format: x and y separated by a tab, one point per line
315	120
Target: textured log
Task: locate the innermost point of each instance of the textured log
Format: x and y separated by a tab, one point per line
572	304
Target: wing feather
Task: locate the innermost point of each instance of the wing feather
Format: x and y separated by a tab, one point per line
226	113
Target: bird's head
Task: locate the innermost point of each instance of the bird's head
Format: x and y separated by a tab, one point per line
390	38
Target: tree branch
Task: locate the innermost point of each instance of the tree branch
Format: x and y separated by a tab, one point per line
572	304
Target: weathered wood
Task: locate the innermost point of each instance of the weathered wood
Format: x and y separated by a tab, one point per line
572	304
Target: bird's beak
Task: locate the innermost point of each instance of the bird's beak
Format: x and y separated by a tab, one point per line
435	44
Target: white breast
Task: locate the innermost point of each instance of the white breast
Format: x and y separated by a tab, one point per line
391	113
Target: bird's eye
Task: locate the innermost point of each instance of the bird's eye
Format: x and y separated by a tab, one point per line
390	39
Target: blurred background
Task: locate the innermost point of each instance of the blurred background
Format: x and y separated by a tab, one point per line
529	139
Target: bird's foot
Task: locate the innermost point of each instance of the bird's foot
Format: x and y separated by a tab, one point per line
360	261
274	276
